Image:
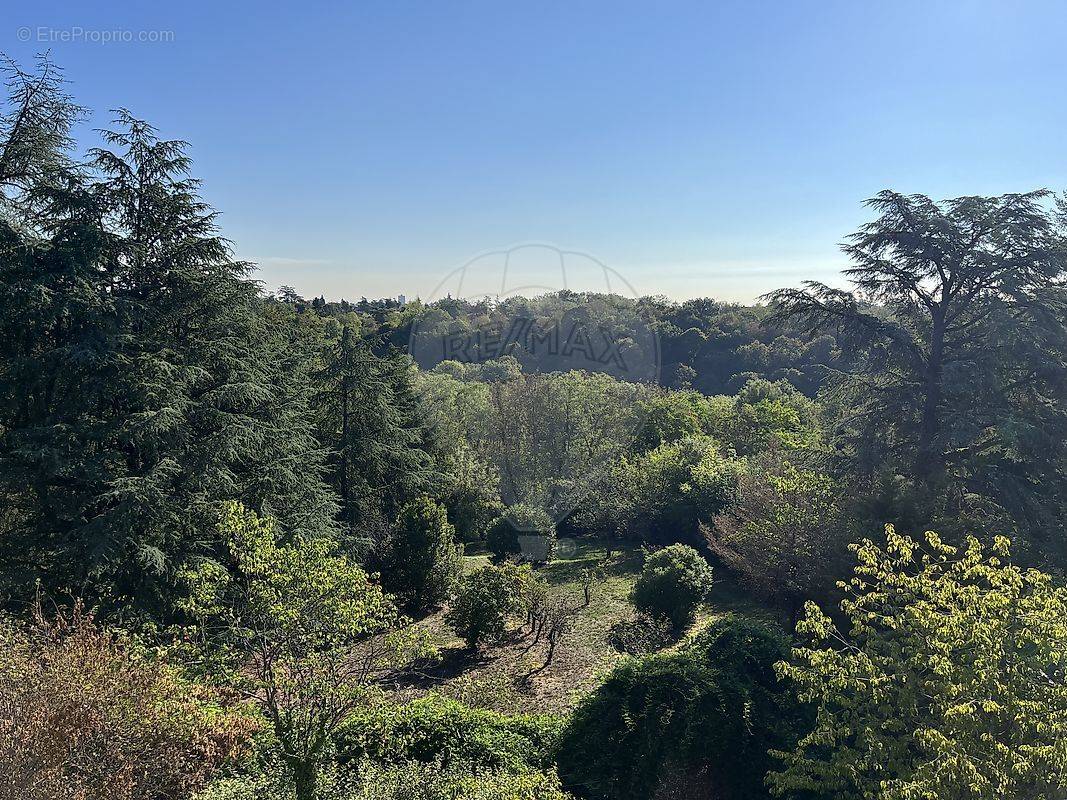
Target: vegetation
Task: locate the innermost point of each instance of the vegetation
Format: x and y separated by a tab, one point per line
418	781
437	730
422	560
486	599
368	421
502	538
283	620
87	715
279	555
674	581
511	675
956	319
949	683
641	635
704	717
785	536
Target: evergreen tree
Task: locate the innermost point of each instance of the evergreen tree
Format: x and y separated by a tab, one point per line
958	353
422	561
370	420
143	384
35	140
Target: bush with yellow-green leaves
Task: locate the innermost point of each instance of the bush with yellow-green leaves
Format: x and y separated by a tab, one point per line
950	680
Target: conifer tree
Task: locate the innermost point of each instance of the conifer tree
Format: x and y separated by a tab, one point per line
369	418
143	384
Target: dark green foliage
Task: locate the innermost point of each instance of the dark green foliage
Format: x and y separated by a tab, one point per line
673	582
681	483
435	728
706	345
957	355
502	535
486	599
714	347
708	713
422	561
368	417
641	635
141	383
35	134
469	492
502	538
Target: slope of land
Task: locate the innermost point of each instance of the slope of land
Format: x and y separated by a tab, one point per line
514	676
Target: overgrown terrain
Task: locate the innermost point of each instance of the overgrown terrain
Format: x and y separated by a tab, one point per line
498	680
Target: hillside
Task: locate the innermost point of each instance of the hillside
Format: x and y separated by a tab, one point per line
513	678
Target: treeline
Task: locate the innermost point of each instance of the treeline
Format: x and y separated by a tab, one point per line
706	345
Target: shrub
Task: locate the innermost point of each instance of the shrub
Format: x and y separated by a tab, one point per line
661	496
436	728
85	716
707	714
673	582
420	781
261	778
641	635
680	483
487	597
422	561
502	536
786	537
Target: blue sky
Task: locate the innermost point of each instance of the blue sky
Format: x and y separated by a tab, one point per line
718	149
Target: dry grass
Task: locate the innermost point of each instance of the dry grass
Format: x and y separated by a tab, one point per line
500	677
496	676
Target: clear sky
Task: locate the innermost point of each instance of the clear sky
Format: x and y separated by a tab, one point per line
698	148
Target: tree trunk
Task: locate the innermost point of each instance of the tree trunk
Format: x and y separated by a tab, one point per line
928	458
305	780
346	497
793	614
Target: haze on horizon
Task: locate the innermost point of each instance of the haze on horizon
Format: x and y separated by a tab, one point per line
698	149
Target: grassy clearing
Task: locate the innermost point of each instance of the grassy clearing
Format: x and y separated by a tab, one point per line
496	677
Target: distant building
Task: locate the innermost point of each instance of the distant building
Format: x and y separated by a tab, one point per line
401	299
